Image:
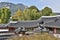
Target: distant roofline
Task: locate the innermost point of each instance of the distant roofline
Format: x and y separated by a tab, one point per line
56	12
48	17
51	16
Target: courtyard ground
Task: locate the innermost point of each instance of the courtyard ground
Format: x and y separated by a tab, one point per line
43	36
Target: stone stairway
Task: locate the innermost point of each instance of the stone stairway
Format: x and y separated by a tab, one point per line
4	35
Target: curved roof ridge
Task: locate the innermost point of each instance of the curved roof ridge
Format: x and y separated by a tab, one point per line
48	17
28	21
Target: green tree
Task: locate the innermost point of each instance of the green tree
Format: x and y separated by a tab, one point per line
5	15
46	11
31	14
26	14
18	15
34	7
34	14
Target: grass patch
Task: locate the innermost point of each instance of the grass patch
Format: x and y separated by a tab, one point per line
44	36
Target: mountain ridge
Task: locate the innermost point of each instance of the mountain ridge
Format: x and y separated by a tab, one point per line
13	7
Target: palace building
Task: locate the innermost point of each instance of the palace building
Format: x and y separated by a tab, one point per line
50	22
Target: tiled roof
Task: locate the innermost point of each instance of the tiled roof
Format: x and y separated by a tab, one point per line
47	18
34	23
24	24
53	24
52	21
3	25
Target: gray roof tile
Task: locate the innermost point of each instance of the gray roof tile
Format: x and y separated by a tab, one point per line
53	24
3	25
34	23
24	24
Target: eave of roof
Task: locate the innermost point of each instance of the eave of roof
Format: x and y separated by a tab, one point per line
37	21
24	24
52	26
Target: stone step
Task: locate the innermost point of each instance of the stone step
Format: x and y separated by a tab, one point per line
4	36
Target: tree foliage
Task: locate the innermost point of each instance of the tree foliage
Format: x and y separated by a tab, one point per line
46	11
26	14
34	7
32	13
4	15
18	15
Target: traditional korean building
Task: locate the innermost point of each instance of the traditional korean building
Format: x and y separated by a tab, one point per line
28	25
50	22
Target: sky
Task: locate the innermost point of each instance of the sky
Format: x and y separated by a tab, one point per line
40	4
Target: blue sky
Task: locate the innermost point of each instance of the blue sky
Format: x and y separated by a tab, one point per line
40	4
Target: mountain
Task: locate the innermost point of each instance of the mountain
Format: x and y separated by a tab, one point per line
57	13
13	7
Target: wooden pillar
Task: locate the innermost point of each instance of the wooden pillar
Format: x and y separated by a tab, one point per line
55	31
11	29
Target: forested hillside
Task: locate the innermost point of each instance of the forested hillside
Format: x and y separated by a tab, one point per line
29	13
32	13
